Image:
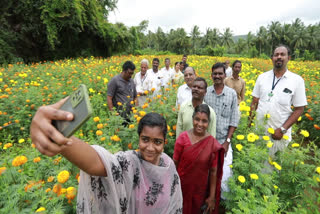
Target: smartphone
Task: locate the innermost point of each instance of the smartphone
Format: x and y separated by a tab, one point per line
79	105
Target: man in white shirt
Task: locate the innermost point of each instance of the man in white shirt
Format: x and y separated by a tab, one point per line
184	91
167	73
274	93
228	68
143	82
156	76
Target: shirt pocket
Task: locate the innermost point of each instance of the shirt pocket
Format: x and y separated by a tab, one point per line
284	98
226	109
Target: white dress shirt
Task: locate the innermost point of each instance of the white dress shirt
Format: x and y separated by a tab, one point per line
184	94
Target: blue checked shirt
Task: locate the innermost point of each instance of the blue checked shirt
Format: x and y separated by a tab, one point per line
226	107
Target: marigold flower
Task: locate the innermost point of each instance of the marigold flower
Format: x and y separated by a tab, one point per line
131	126
36	160
254	176
146	92
96	119
271	130
269	144
153	89
103	139
2	170
41	209
174	127
99	132
299	119
266	138
241	179
305	133
316	126
130	146
115	138
277	166
318	169
63	190
286	137
7	145
267	116
119	103
50	179
251	137
231	166
100	126
63	176
142	113
240	137
275	186
21	140
294	145
48	189
71	193
19	160
239	147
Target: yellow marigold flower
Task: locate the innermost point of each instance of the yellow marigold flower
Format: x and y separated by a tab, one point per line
159	96
146	92
36	160
171	133
153	89
71	193
119	103
48	190
96	119
19	160
266	138
100	126
286	137
63	190
50	179
240	137
241	179
63	176
2	170
318	179
132	102
103	139
251	137
135	111
269	144
41	209
99	132
318	169
271	130
7	145
168	127
305	133
239	147
254	176
249	190
142	113
21	140
138	119
267	116
294	145
299	119
277	166
231	166
115	138
275	186
131	126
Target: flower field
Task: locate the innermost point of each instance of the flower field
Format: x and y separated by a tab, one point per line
31	182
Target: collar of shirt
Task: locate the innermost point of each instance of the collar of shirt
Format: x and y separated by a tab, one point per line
222	93
235	78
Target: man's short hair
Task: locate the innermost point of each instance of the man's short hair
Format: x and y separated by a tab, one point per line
282	45
203	80
155	59
128	65
145	61
185	55
235	62
167	59
218	65
194	71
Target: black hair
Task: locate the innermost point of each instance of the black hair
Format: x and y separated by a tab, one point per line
128	65
155	59
185	55
282	45
235	62
202	108
153	120
176	63
167	59
203	80
218	65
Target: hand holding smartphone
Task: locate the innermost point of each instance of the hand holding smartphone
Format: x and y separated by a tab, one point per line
79	105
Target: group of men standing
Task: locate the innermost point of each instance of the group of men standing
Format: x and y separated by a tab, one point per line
274	93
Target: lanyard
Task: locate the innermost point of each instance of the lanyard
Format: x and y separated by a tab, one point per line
274	85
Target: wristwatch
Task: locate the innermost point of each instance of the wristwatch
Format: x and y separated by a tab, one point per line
228	140
283	130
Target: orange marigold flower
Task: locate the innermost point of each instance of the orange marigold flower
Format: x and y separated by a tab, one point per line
50	179
57	189
96	119
36	160
19	160
316	126
48	190
2	170
115	138
99	132
100	126
130	146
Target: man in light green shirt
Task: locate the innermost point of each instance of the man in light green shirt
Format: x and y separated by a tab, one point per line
184	123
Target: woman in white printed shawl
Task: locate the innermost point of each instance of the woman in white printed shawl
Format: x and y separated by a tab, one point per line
127	182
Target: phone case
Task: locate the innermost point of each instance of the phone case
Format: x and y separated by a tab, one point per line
78	103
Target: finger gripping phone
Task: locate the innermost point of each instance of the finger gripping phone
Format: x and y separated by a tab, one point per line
79	105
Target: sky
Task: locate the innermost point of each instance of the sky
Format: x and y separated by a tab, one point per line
240	16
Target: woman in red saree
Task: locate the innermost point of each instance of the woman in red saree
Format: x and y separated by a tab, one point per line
199	160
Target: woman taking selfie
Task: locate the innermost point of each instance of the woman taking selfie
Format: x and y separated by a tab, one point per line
127	182
199	160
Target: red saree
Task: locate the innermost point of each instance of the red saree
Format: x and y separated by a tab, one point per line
195	161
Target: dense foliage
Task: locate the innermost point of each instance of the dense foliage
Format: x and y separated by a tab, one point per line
30	181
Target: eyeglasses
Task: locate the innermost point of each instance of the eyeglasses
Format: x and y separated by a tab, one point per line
156	141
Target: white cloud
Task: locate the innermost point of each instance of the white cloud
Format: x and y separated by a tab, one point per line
240	16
